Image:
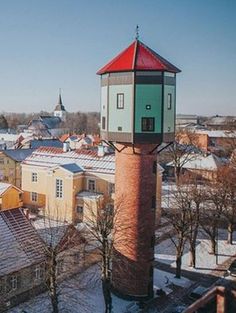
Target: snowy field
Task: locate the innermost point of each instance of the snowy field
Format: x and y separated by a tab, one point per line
205	262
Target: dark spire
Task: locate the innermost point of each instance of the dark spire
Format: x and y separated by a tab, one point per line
59	106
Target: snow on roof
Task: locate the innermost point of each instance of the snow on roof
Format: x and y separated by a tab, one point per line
217	133
86	159
89	194
208	162
4	187
18	238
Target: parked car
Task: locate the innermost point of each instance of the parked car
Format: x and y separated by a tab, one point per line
232	269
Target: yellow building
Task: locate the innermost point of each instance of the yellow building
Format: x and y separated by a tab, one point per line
10	165
10	197
67	184
53	181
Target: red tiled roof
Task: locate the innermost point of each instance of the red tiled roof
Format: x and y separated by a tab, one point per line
49	150
138	57
64	137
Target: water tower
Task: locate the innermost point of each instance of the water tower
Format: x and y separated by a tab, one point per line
137	114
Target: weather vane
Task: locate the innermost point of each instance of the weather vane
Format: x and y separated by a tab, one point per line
137	32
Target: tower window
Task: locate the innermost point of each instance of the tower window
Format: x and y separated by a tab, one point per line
148	124
120	101
148	107
169	101
103	122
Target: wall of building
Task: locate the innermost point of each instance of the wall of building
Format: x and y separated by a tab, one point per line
148	95
120	117
11	199
10	170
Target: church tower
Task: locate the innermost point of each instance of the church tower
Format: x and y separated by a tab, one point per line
60	110
137	114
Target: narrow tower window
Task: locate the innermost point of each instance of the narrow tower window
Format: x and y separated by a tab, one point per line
103	122
120	101
169	101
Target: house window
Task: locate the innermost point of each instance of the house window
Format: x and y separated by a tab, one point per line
59	188
80	209
13	282
148	124
103	122
1	160
91	185
120	101
38	272
169	101
34	196
34	177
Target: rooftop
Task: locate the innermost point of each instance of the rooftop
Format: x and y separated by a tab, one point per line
49	157
18	237
18	155
140	57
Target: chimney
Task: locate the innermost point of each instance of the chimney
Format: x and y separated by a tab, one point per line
101	151
66	146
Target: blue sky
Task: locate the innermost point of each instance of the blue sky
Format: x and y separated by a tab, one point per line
52	44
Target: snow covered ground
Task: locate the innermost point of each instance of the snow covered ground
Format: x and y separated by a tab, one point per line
89	298
205	262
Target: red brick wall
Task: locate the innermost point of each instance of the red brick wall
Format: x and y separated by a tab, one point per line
135	185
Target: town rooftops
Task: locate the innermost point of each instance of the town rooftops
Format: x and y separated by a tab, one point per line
88	160
36	143
139	57
18	155
18	238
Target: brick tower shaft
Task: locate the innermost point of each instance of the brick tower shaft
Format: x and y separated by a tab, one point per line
134	233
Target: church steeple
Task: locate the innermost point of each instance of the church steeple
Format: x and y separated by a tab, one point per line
60	110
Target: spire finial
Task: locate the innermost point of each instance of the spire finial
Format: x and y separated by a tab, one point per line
59	98
137	32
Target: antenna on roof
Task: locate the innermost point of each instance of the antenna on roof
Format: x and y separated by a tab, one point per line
137	32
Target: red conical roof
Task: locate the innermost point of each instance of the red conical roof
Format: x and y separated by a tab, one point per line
138	57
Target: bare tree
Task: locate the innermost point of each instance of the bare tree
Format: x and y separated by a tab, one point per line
177	214
197	196
64	257
99	222
212	212
182	151
226	182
